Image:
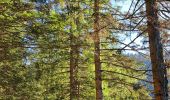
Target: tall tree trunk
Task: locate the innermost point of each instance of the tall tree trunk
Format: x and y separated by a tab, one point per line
74	55
98	80
74	58
156	52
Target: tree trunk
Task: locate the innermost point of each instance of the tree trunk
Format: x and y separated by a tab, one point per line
156	52
98	81
74	55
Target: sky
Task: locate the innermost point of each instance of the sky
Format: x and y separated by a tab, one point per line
124	4
124	7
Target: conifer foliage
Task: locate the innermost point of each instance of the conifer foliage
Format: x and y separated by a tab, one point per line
84	49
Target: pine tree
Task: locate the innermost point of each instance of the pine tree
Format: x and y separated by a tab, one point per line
156	52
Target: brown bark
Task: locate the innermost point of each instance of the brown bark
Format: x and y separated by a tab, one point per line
98	81
158	68
74	55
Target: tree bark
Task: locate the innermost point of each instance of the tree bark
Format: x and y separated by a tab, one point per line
156	52
98	81
74	55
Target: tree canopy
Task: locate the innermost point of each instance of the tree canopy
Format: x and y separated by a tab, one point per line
84	49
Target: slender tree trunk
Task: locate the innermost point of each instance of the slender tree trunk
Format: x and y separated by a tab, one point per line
74	55
156	52
74	59
98	81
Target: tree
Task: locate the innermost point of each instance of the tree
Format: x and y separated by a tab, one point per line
50	47
96	38
156	52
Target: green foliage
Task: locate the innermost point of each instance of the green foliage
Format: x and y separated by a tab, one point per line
35	58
